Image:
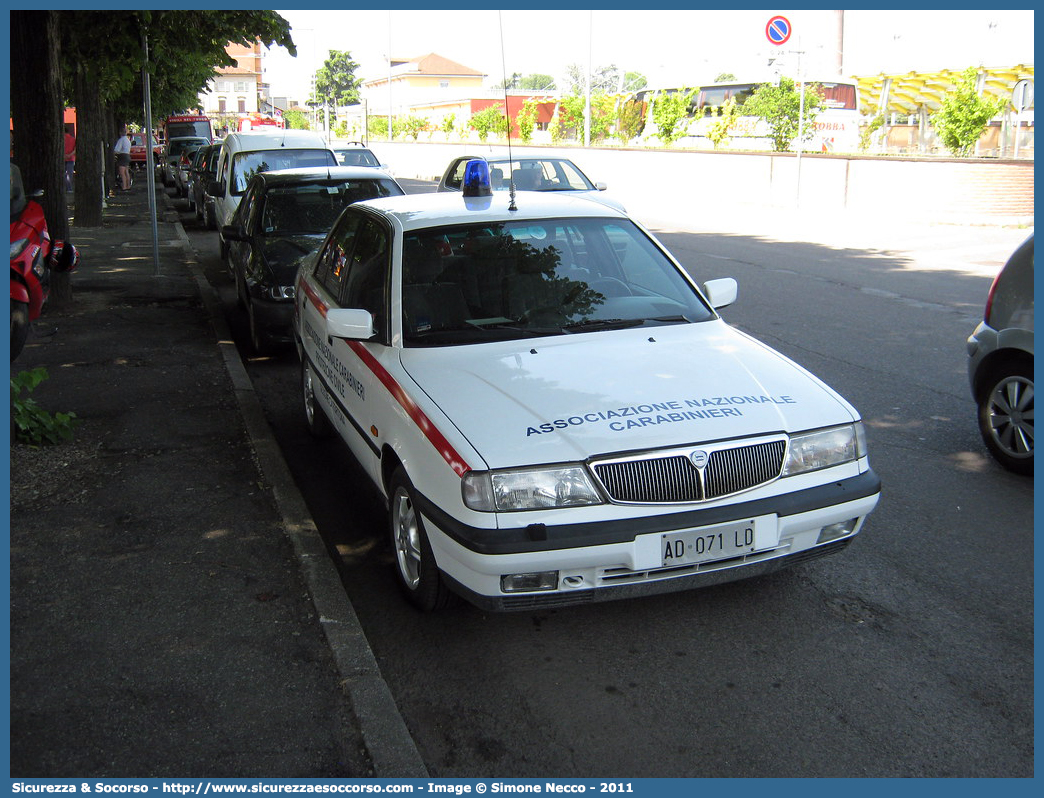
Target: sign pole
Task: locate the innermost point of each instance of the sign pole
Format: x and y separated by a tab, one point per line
801	125
1021	98
778	31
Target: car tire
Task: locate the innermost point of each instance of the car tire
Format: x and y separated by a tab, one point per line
242	302
19	327
1006	414
258	340
415	568
318	424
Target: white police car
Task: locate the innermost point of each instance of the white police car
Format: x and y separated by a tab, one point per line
554	411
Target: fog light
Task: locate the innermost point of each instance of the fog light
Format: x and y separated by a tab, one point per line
523	583
835	531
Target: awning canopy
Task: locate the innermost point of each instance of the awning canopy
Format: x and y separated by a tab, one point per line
908	92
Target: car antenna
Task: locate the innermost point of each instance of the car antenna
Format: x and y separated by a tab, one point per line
507	116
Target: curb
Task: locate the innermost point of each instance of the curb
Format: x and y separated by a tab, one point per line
389	745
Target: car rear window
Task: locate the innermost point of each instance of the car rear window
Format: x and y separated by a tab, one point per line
247	164
313	208
358	157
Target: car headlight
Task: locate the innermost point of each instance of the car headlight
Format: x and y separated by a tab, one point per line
824	448
280	293
18	247
529	489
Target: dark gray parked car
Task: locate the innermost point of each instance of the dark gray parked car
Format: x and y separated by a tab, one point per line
1000	364
285	215
203	170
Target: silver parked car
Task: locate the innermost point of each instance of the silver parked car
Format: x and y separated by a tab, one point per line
172	153
1000	364
528	173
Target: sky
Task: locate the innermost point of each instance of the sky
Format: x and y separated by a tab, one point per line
669	47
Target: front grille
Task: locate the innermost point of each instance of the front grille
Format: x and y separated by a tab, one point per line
672	478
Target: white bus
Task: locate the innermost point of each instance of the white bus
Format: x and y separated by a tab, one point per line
836	126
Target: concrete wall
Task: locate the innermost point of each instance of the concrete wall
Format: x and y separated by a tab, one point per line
910	188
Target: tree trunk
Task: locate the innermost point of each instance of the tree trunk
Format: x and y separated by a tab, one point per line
36	113
92	148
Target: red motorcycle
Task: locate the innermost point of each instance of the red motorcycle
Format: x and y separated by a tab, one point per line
33	258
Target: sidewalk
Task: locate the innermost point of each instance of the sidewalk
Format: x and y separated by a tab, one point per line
173	610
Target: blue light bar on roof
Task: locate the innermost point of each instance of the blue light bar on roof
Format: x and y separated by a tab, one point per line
476	179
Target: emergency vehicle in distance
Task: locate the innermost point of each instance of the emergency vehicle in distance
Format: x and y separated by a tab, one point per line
555	412
258	121
187	125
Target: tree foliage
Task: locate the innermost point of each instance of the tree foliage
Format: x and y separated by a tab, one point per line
965	114
489	120
296	120
630	120
720	129
537	82
413	126
102	66
607	79
668	111
335	82
779	106
526	119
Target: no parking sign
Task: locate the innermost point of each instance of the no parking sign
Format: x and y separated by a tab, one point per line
778	30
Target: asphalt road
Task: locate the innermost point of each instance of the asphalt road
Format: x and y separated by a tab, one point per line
908	655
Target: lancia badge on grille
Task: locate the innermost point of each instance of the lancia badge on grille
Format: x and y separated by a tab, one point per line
699	458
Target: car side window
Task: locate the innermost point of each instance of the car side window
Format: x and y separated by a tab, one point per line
332	264
222	166
245	208
254	210
456	177
366	286
567	176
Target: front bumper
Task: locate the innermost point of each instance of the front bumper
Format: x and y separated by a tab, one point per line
601	562
274	318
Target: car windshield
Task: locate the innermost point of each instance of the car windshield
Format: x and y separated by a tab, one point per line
544	174
247	164
470	284
313	208
182	145
198	128
356	157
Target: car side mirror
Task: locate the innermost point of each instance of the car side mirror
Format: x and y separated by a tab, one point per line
216	188
600	185
233	232
721	293
349	323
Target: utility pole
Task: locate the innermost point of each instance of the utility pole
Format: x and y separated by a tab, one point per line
150	166
840	49
590	66
801	121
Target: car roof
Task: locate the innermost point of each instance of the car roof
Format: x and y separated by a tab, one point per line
305	174
418	211
265	139
189	138
504	158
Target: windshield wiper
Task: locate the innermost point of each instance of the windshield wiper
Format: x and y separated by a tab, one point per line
603	324
671	319
490	329
621	324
